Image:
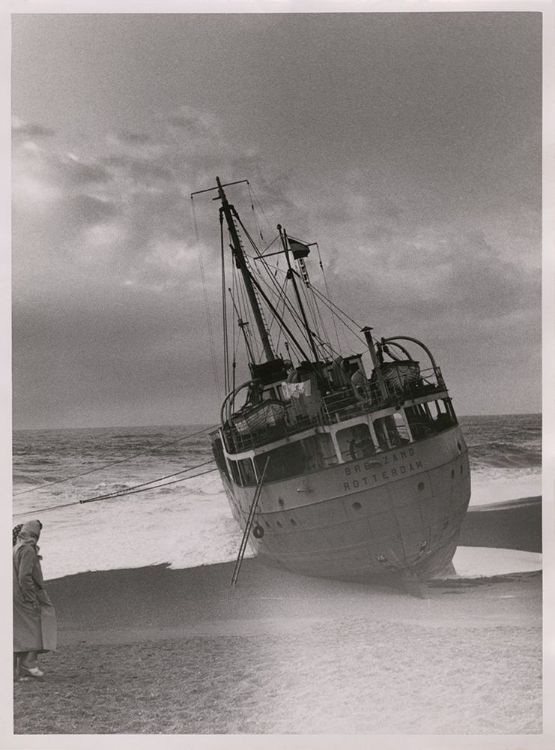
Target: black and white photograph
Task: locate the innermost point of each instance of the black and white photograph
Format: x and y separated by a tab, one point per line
276	375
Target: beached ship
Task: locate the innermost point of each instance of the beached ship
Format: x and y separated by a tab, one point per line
331	470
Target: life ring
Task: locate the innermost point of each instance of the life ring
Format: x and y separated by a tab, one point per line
258	531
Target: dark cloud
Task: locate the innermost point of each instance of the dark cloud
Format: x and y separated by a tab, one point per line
142	171
108	348
458	276
191	123
406	145
86	209
134	139
22	129
80	173
195	124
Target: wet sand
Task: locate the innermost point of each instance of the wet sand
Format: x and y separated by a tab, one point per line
514	524
155	650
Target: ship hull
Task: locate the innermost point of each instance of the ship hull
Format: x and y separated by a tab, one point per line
396	514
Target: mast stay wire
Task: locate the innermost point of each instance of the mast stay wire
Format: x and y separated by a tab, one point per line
259	256
277	290
335	313
130	490
297	316
237	220
254	212
234	339
258	287
291	309
206	304
197	239
122	493
327	300
327	293
338	312
312	305
331	305
224	310
247	319
283	300
114	463
261	209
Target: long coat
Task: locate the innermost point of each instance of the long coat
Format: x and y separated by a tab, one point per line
34	619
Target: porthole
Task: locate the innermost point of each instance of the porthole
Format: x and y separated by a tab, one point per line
279	524
461	470
293	522
421	486
280	502
452	473
357	506
459	447
267	524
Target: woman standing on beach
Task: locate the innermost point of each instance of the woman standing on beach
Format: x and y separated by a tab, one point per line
34	619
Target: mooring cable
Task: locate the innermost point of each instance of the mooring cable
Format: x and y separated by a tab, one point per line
114	463
120	493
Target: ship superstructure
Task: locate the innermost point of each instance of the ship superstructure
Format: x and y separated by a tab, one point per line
331	470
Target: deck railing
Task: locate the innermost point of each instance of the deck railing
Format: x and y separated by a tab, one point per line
334	407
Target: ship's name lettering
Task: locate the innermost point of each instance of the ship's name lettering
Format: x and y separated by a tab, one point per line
395	472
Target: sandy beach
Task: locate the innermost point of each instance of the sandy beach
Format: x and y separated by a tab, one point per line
156	650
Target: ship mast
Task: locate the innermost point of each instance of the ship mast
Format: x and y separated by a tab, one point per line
239	256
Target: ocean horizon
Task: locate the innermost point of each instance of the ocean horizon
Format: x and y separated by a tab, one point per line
57	473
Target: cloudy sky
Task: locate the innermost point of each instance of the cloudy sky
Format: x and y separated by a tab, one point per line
406	144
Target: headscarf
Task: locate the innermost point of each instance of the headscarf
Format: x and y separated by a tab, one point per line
28	533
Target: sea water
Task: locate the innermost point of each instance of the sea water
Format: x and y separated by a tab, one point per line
189	523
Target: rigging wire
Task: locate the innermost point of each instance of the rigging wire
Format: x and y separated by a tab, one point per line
236	339
206	304
127	490
338	311
254	212
284	300
224	310
246	316
336	307
235	342
145	485
291	309
312	306
122	493
261	209
114	463
279	291
281	298
327	293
